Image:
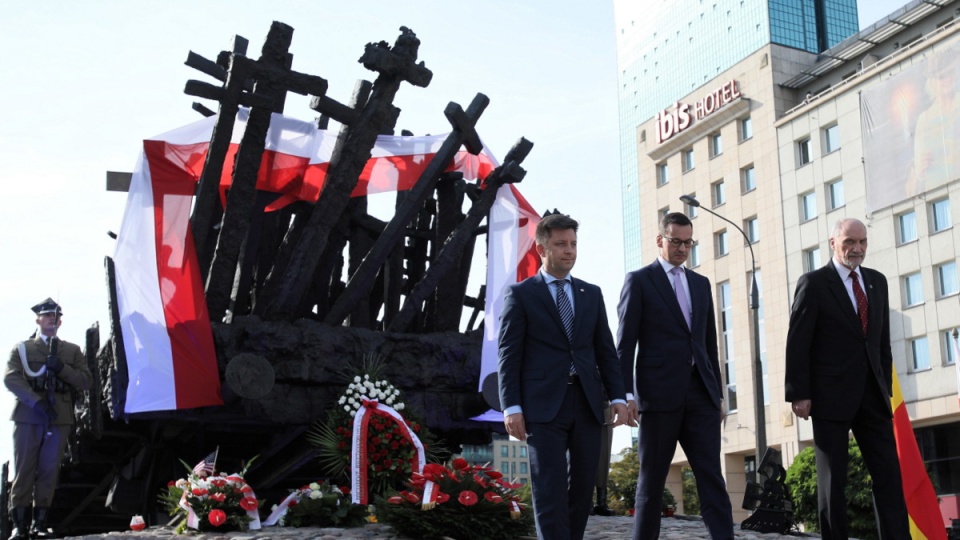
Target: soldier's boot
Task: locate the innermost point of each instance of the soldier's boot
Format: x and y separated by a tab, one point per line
39	528
20	525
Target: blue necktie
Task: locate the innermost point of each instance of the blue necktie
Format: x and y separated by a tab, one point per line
566	310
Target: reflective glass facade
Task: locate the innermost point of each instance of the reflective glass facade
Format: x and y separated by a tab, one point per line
668	48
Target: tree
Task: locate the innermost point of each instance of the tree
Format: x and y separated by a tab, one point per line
622	483
691	499
802	485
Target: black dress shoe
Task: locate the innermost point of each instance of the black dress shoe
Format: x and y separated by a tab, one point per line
602	510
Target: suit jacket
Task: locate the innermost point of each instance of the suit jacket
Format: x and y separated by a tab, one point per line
75	373
829	359
654	344
535	354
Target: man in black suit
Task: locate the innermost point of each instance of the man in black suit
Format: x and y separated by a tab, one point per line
839	372
557	365
667	342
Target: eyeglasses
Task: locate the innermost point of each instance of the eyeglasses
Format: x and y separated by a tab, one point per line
677	242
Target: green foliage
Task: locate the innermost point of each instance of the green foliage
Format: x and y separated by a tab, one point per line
473	503
322	504
691	499
802	484
669	501
622	483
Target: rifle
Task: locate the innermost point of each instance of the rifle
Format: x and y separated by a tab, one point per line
51	382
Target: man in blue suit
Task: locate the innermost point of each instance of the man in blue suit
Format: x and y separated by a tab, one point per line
667	342
557	366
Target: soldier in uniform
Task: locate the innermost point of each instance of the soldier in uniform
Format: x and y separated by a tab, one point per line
42	373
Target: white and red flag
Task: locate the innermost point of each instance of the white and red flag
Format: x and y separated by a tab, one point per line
167	337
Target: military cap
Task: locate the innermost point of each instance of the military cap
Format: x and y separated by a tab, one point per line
47	306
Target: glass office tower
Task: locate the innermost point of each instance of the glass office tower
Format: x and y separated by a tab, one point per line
668	48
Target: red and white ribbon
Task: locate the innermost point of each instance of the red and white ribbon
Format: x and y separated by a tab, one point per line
358	459
281	509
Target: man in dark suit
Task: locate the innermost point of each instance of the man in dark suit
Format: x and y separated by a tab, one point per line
839	372
557	366
667	342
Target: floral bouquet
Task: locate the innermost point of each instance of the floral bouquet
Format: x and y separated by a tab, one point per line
463	501
318	504
367	440
212	502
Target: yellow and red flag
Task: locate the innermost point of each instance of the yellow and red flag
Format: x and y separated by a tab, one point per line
926	522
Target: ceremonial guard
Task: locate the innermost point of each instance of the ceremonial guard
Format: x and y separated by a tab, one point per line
43	373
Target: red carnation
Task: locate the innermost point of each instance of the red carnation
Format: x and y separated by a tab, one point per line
248	503
217	517
467	498
293	503
345	490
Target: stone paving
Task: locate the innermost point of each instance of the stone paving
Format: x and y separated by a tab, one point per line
598	528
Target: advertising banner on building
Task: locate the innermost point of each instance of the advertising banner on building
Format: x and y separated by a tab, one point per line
911	130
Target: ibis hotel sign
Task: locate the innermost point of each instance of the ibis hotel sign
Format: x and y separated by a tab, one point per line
674	120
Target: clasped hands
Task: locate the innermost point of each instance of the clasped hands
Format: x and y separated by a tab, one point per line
516	427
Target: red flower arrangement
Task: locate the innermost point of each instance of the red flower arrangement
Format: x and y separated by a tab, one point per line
389	452
468	502
212	503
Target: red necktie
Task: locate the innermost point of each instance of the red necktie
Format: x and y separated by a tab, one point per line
861	301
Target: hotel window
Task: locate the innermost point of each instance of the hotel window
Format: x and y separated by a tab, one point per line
947	279
523	451
523	467
912	290
726	343
831	138
686	160
940	215
808	205
504	451
752	227
663	174
746	128
835	195
663	211
689	209
748	178
721	243
718	193
716	145
906	227
948	343
920	353
811	259
695	255
803	152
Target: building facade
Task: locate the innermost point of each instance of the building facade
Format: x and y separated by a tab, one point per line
783	142
668	48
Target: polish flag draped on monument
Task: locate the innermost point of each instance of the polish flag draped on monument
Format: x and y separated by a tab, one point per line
167	337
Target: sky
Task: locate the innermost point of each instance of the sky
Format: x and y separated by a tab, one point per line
85	82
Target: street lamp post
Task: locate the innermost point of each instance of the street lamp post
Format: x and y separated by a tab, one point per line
761	427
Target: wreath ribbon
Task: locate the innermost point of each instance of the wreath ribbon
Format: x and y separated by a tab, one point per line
358	462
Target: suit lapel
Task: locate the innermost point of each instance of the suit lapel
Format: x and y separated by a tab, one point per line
663	286
839	291
550	305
